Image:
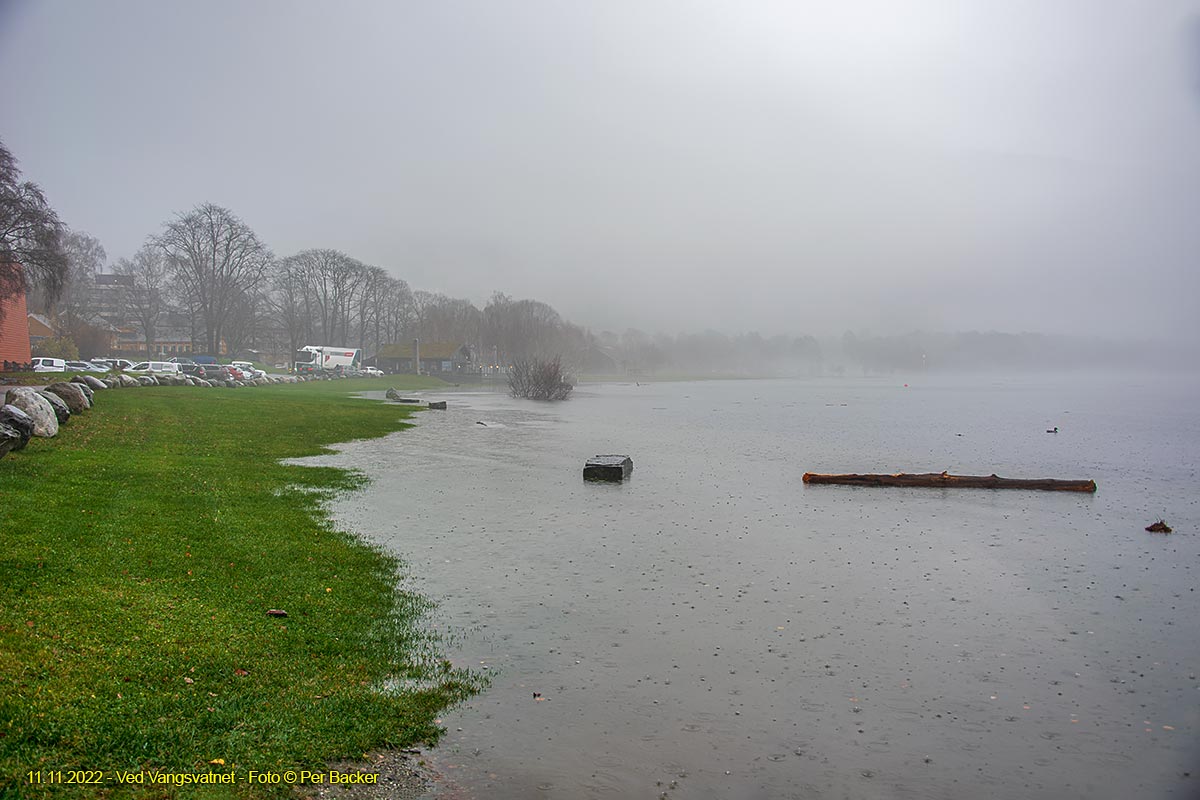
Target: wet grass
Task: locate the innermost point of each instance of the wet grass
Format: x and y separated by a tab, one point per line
140	551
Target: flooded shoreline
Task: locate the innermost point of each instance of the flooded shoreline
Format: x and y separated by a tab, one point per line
712	628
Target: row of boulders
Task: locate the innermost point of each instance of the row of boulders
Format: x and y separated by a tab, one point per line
32	412
29	412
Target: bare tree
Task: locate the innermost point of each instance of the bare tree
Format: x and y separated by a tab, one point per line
146	301
536	379
247	322
328	283
287	300
216	257
31	235
75	306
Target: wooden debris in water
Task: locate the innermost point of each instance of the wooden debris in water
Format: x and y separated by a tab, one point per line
944	480
1159	527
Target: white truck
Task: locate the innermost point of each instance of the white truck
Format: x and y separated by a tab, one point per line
313	358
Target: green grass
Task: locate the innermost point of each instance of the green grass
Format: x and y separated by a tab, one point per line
140	550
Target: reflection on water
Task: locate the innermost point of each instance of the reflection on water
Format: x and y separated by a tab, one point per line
714	628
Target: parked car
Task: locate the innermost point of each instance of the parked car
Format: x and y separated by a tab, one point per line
156	368
194	370
249	369
214	372
113	363
49	365
235	372
372	372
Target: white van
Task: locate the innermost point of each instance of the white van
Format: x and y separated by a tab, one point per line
157	368
49	365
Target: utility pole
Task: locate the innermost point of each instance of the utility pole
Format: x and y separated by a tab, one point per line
417	356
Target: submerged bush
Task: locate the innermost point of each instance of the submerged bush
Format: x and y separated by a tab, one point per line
538	380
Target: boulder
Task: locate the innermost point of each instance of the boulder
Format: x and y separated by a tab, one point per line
128	380
87	390
90	381
72	395
146	380
17	419
38	409
439	405
62	411
112	383
10	439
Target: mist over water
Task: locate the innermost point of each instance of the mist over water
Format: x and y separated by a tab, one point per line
714	628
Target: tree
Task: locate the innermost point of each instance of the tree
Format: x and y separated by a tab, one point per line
216	257
31	235
325	284
538	380
146	302
58	347
85	258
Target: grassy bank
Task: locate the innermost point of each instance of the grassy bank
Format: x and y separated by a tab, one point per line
140	550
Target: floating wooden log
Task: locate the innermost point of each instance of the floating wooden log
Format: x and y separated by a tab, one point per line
607	468
944	480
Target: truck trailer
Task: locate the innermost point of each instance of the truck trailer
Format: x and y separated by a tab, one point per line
313	358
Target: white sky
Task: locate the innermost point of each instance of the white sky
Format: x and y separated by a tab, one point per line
775	166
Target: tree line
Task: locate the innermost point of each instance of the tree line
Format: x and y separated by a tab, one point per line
208	267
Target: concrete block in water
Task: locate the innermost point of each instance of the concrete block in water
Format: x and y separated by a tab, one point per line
440	405
607	468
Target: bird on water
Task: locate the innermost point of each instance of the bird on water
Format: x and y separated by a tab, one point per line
1053	431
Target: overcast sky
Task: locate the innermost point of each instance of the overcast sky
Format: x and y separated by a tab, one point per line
785	167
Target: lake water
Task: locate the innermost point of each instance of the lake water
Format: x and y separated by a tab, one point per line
713	628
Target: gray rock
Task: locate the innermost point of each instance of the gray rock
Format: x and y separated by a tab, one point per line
439	405
87	390
17	419
112	383
72	394
45	421
147	380
10	439
128	380
95	382
62	411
